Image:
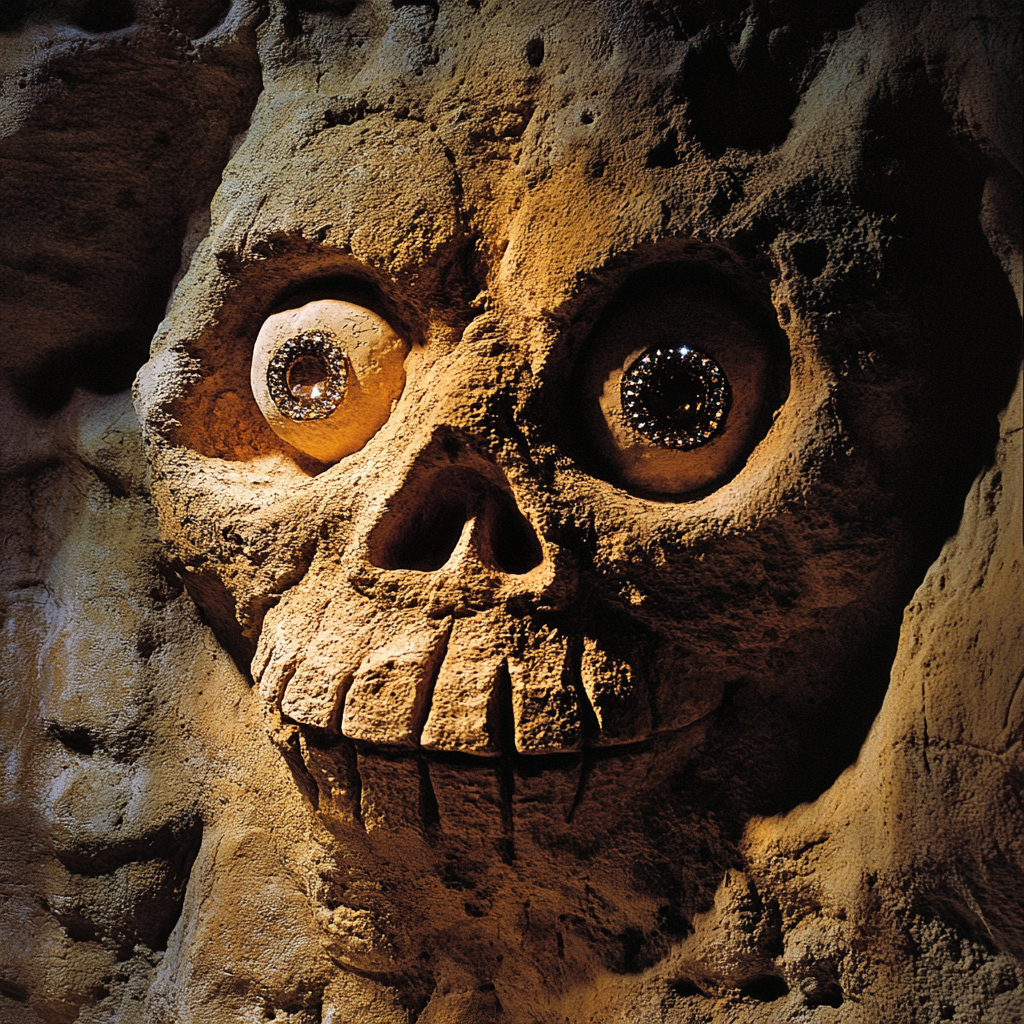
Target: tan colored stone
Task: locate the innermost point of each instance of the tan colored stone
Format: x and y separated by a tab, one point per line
465	705
617	694
545	707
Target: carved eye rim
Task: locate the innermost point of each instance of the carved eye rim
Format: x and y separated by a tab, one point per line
743	295
349	285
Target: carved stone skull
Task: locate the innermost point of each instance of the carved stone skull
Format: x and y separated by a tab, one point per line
556	442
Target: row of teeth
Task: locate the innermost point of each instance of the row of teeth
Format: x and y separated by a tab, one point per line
437	690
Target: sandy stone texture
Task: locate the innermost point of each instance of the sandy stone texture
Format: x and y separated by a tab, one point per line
498	709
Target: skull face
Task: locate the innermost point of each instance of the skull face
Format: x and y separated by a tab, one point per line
609	497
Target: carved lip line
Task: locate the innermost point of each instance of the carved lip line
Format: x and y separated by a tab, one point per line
510	770
602	752
480	686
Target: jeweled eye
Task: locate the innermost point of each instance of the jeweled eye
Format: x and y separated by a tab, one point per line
675	385
307	375
326	374
676	397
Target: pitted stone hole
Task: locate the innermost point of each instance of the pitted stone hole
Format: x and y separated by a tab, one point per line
425	541
810	257
765	989
93	16
685	989
821	992
77	739
13	990
535	52
105	15
514	543
341	8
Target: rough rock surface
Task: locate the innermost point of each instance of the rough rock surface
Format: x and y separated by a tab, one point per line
487	720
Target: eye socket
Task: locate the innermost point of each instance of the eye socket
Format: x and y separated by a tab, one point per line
674	384
325	376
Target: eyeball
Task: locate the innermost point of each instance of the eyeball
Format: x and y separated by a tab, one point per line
325	376
674	382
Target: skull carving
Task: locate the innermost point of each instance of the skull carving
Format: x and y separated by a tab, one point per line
554	526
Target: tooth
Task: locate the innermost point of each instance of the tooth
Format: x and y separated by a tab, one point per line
390	795
469	799
542	801
544	706
310	663
618	695
271	671
315	690
390	693
275	660
464	709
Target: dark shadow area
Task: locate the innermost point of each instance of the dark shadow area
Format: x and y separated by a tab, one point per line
944	327
106	366
765	989
742	78
102	15
967	341
744	105
341	8
826	993
78	740
148	916
534	52
94	16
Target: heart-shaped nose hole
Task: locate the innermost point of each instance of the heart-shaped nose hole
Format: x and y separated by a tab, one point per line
422	530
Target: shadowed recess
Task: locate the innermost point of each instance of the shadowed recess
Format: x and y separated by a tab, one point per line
765	989
105	366
94	16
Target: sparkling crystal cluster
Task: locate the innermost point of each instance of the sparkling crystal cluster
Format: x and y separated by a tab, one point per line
307	375
675	397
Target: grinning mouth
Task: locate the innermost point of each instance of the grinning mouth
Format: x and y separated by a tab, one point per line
524	722
497	798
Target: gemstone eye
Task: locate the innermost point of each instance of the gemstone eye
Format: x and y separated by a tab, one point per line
676	385
675	397
326	374
307	375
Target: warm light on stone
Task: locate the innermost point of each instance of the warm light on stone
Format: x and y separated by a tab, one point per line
510	512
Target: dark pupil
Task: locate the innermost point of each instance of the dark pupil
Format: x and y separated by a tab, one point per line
675	396
305	372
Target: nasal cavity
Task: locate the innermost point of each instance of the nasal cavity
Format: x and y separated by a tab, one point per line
420	532
514	547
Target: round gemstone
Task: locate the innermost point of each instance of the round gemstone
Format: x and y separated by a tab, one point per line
676	397
307	375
